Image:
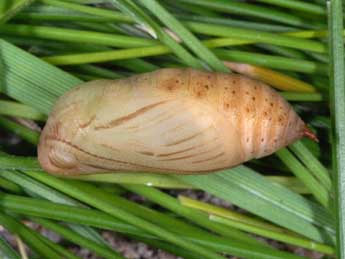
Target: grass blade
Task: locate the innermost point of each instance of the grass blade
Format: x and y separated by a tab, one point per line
141	17
239	8
15	109
38	207
337	94
282	237
78	239
6	251
318	190
197	217
314	165
23	132
29	236
77	36
9	8
186	36
249	190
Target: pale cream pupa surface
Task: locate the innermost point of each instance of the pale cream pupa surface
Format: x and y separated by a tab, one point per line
181	121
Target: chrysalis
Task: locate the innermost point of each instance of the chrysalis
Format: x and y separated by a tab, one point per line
181	121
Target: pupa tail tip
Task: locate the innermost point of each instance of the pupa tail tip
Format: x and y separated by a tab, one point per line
309	134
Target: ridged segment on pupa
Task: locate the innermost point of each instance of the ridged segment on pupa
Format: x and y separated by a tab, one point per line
168	121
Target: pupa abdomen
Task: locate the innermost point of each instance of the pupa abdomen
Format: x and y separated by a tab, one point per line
168	121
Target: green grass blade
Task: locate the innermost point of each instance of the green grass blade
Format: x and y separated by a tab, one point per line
302	97
254	35
141	17
239	8
273	61
276	62
156	180
337	96
282	237
23	132
111	14
9	8
197	217
186	36
123	215
58	248
11	162
77	36
297	5
249	190
40	208
10	186
28	236
78	239
313	164
6	251
17	66
15	109
318	190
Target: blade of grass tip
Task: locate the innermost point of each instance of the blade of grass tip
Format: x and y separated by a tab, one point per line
318	190
186	36
337	94
28	235
312	163
256	194
72	236
40	208
6	251
273	78
8	9
15	109
20	130
156	180
142	18
124	215
282	237
195	216
297	5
